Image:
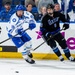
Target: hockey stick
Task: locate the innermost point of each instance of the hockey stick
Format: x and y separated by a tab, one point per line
0	29
11	37
48	39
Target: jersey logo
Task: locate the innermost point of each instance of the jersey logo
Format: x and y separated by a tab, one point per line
50	22
14	20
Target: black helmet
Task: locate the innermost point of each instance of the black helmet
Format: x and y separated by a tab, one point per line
7	3
50	6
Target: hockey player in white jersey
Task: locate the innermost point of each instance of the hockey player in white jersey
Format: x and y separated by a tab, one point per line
22	40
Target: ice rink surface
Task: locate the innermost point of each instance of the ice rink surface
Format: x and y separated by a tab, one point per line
41	67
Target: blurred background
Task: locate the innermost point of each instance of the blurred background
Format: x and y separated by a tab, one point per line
36	7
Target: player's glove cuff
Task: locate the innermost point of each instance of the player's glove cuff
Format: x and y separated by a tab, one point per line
48	35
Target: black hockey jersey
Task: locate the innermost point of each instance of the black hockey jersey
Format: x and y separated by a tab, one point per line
52	24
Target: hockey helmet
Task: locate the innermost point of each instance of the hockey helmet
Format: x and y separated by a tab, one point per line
50	6
19	7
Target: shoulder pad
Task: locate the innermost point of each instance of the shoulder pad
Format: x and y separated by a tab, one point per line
13	18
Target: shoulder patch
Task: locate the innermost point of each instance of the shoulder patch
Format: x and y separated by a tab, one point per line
31	16
27	13
14	19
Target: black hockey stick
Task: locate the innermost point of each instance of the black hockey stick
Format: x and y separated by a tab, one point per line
12	37
48	39
0	29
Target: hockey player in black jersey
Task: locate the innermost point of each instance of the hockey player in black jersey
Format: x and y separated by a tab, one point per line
50	25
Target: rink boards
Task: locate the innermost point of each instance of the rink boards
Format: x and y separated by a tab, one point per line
8	49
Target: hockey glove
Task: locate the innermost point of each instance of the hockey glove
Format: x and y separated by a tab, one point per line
48	35
65	26
20	31
32	26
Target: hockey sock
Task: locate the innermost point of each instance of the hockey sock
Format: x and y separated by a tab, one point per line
56	51
67	53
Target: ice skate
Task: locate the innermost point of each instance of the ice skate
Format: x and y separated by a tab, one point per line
30	61
61	58
71	59
30	55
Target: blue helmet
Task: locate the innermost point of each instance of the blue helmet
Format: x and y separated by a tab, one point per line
19	7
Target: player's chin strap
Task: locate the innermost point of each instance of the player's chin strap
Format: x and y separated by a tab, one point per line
11	37
48	39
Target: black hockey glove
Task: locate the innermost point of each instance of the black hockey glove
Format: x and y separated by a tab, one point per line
48	35
65	26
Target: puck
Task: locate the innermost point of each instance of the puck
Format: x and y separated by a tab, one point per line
16	71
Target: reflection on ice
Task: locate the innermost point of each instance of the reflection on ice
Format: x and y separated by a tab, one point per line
41	67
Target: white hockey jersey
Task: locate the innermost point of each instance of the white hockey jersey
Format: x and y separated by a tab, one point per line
17	23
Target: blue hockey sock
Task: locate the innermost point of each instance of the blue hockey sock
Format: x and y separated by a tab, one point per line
56	51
